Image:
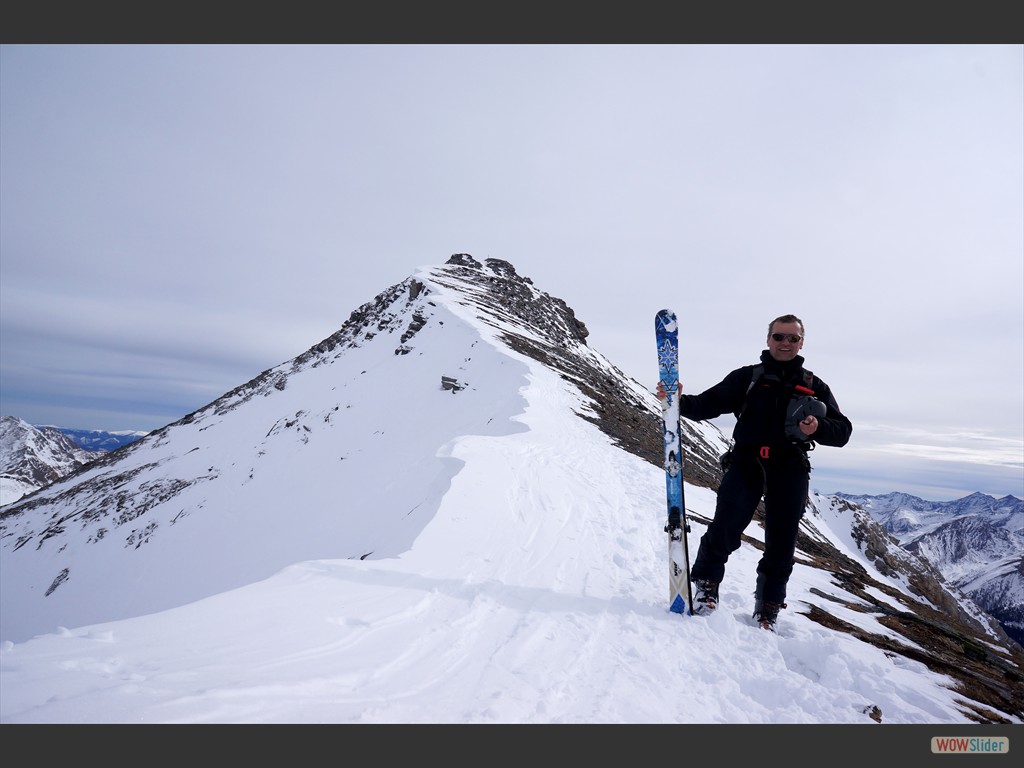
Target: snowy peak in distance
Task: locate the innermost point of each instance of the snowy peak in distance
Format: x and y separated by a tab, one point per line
31	457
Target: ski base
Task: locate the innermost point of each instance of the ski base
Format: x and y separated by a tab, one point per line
678	564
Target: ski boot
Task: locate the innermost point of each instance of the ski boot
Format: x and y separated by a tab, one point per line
706	598
766	614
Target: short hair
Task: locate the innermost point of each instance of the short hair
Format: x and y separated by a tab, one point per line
787	319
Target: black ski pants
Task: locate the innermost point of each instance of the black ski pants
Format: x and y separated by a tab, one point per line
783	480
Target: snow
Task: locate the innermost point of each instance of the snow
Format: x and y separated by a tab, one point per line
13	488
518	576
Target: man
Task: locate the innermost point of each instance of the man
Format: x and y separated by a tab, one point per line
781	412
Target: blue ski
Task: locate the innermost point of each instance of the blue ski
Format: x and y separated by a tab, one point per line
680	599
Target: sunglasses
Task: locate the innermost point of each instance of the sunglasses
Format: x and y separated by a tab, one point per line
792	338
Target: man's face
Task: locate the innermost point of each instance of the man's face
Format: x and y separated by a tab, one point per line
780	341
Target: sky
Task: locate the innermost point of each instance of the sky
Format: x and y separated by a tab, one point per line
527	585
176	219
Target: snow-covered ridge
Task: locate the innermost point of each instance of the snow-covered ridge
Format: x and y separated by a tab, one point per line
453	493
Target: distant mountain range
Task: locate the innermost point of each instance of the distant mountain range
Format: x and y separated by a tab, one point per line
96	439
976	543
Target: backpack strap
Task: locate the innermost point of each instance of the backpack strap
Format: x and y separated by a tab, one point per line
755	375
758	371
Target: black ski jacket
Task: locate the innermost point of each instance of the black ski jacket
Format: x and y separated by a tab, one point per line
761	413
